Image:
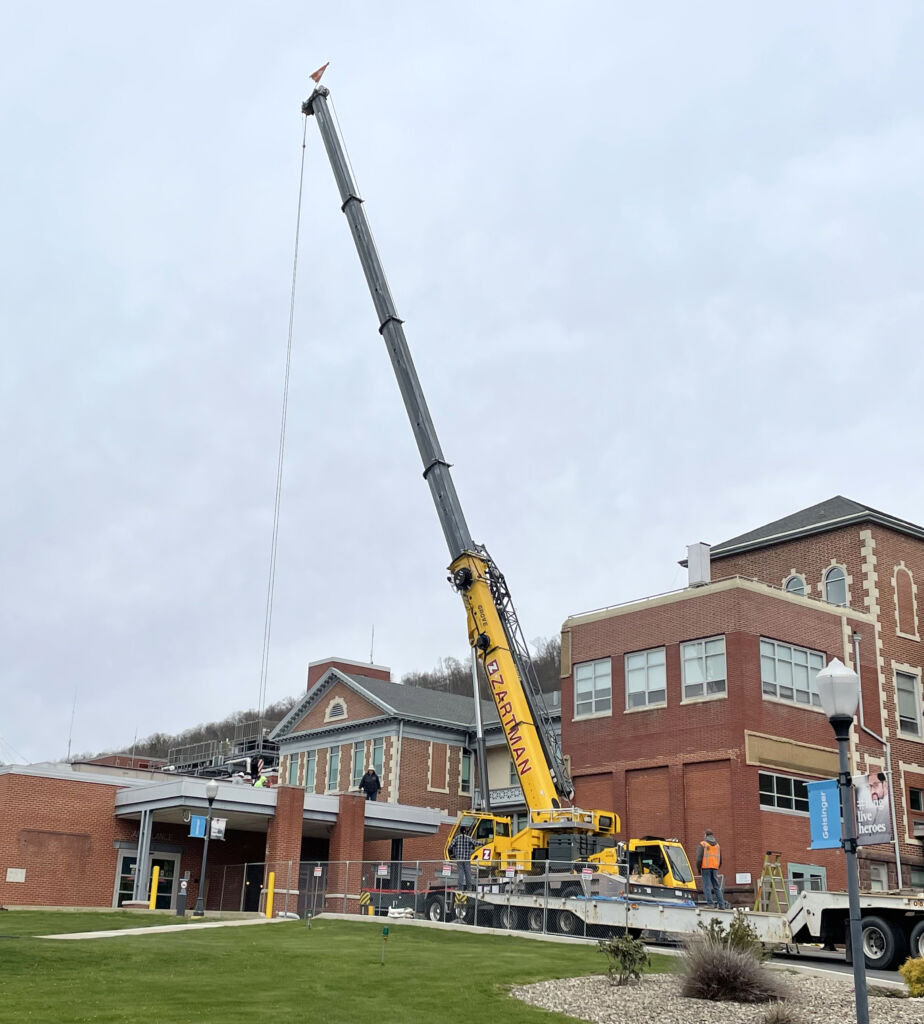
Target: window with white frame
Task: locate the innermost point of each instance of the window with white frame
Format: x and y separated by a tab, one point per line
311	761
513	776
916	799
293	770
836	586
593	687
378	756
333	769
359	768
796	585
908	689
465	781
783	793
790	673
703	664
646	678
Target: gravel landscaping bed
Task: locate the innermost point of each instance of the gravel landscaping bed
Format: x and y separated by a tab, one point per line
657	1000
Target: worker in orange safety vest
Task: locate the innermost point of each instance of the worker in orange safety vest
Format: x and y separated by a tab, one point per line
708	862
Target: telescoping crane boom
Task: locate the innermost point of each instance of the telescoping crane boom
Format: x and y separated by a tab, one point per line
493	628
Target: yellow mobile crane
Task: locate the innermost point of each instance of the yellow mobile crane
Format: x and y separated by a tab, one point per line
556	830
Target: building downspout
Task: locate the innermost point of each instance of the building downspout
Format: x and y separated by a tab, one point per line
888	759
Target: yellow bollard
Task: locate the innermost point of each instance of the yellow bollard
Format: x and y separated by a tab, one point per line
270	887
155	878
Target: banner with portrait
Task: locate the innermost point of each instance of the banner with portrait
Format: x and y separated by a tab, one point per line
874	811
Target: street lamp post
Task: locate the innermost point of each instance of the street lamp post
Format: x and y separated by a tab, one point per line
211	791
839	692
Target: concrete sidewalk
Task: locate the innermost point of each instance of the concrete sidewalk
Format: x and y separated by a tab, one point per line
160	929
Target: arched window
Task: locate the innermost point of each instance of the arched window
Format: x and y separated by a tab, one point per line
796	585
836	586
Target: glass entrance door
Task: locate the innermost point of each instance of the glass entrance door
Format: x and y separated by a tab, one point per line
166	883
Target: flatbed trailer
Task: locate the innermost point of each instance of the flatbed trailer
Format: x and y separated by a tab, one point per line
892	924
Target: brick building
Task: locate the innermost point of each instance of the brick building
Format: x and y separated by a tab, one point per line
699	708
419	742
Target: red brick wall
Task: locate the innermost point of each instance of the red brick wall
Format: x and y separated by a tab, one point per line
692	756
358	709
62	832
315	672
811	556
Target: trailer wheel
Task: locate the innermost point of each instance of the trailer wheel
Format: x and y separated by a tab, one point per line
570	889
508	917
883	943
568	923
916	941
535	919
436	910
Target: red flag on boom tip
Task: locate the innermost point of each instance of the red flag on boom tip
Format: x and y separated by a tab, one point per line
317	74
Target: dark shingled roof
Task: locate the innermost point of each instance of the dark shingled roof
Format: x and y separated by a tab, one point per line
427	705
832	514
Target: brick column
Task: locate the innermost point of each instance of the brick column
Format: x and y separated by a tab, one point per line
284	846
346	844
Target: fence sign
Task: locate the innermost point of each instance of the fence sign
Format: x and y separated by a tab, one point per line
510	872
587	872
824	814
382	870
447	869
317	871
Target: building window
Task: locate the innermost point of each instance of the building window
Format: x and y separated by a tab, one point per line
359	768
836	586
646	683
336	709
378	757
593	688
311	760
916	799
790	673
917	878
703	664
783	793
796	585
333	769
513	776
293	770
465	782
909	703
878	877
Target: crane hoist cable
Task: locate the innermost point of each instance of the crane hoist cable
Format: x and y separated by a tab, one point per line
271	580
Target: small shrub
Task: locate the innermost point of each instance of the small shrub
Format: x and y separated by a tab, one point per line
713	970
780	1013
740	934
912	970
628	958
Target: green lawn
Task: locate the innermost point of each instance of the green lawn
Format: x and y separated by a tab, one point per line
329	974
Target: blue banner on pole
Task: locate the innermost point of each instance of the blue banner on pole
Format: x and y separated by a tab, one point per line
197	826
824	814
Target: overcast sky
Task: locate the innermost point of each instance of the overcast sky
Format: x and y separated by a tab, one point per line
660	267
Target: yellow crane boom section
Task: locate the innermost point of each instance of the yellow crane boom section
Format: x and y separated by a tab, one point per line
486	635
